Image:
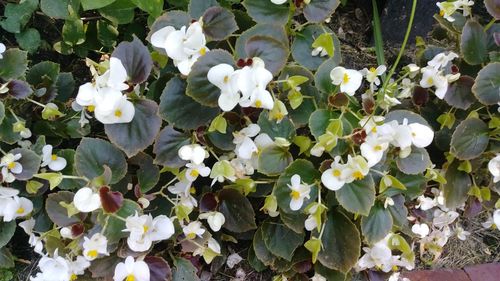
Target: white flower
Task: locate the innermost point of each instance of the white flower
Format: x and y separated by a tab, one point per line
421	230
370	123
34	241
434	78
389	102
406	88
159	38
395	277
86	200
447	9
3	48
442	218
193	229
10	166
348	79
373	149
372	74
53	269
181	187
215	220
112	107
194	170
398	135
144	230
299	191
494	168
66	233
356	169
311	222
332	178
426	203
7	192
16	207
97	244
117	75
245	146
413	70
54	162
421	135
496	218
461	233
77	267
441	60
193	152
252	82
379	256
223	77
318	277
131	270
279	2
319	51
233	259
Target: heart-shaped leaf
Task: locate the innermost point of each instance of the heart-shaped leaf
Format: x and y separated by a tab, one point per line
263	11
93	154
59	214
140	132
148	174
281	240
377	224
417	162
273	52
302	47
111	201
341	243
318	11
458	184
470	139
184	270
13	64
265	29
493	7
459	93
237	210
358	196
180	110
487	84
218	23
197	8
308	175
322	78
473	43
274	159
198	86
167	145
283	129
135	58
260	249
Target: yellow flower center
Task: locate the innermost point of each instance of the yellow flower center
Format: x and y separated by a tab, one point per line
92	254
374	129
295	194
373	69
191	235
279	116
441	13
430	80
258	103
53	157
20	210
130	277
378	147
358	175
203	51
91	108
73	277
226	79
192	190
118	113
145	228
336	173
194	173
346	78
11	165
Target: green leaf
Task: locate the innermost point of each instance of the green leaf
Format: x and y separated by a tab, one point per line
400	114
29	39
166	146
32	187
180	110
152	7
417	162
140	132
341	243
272	30
261	251
272	51
114	229
283	129
377	224
198	7
237	210
43	74
311	37
2	112
198	87
93	154
470	139
358	196
7	230
322	78
148	174
57	213
7	133
254	262
54	178
106	33
73	32
457	186
293	220
218	124
6	258
308	174
320	120
184	270
273	160
281	240
473	43
399	212
486	86
262	11
218	23
329	274
318	11
136	59
57	9
18	15
119	12
14	64
447	120
459	93
95	4
30	162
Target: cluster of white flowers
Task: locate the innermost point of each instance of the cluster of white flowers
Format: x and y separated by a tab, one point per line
183	46
380	256
144	230
104	96
245	86
12	206
433	74
57	268
10	167
448	8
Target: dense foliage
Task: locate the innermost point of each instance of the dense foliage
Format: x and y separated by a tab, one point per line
232	130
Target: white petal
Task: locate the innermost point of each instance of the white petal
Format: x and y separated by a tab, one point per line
220	75
355	79
330	181
246	149
496	218
163	228
174	46
295	180
198	154
228	101
85	200
422	135
159	38
117	74
86	94
58	164
337	75
17	169
296	204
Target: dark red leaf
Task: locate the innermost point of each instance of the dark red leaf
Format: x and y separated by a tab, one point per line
208	202
158	268
111	200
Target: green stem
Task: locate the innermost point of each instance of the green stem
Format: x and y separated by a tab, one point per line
403	46
492	21
377	34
